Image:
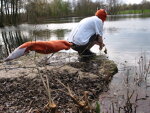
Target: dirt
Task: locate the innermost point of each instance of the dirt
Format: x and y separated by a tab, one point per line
70	82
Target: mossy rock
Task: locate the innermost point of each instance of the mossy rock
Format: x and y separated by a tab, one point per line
99	65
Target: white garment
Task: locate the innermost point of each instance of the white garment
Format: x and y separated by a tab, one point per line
87	27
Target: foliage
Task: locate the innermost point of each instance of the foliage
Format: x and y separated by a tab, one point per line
113	6
37	9
12	12
60	8
97	110
87	7
135	8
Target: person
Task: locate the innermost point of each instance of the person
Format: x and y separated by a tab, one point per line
87	33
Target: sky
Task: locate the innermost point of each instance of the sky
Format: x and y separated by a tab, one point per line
133	1
124	1
130	1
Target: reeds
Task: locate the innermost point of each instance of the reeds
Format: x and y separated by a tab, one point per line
134	88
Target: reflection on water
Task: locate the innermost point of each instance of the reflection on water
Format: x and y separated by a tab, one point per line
63	20
124	36
127	38
58	34
13	37
126	16
1	52
11	40
129	93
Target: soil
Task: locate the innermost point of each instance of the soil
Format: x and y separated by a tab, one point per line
74	86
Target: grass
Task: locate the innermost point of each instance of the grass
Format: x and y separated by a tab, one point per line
134	11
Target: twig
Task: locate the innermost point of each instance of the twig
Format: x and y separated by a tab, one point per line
30	110
51	105
147	70
15	68
68	89
83	104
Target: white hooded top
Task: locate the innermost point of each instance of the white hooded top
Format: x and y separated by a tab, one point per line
87	27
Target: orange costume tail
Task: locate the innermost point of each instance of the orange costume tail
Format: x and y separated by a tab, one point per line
44	47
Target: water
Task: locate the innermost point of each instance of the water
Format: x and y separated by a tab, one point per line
127	38
124	36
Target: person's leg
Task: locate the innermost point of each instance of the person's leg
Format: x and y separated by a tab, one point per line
85	49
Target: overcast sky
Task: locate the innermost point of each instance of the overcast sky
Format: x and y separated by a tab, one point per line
125	1
130	1
133	1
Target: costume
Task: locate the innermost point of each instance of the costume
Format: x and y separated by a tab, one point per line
44	47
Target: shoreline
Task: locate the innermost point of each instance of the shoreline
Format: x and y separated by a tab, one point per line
80	77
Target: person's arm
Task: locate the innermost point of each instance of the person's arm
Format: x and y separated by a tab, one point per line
100	42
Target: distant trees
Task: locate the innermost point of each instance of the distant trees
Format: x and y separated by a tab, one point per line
143	7
82	7
10	11
36	10
1	15
86	7
113	6
39	9
60	8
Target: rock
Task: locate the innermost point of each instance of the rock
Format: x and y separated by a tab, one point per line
25	92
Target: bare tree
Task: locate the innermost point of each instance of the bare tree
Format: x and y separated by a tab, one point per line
10	11
113	6
87	7
2	14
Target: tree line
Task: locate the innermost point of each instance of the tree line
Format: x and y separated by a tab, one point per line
9	12
144	5
13	12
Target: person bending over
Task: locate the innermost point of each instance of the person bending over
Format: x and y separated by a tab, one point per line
87	33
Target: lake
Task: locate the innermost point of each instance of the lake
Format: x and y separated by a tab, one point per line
127	40
125	37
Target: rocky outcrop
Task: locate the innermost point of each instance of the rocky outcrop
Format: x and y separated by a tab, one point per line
73	84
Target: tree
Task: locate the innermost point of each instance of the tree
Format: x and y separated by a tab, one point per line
10	11
113	6
87	7
145	5
2	14
36	10
60	8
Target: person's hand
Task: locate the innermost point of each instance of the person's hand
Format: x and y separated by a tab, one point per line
101	46
105	51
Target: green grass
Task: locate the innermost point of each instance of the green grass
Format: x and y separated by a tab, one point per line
134	11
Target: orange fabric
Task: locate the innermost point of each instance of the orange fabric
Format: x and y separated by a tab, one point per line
46	47
101	13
